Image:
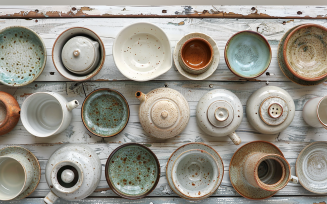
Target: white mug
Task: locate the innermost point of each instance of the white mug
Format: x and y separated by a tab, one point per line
46	113
315	112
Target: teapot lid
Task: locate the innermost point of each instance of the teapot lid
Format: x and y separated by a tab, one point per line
79	54
164	112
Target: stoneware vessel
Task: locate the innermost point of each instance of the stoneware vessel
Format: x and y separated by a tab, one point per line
258	170
9	112
105	112
247	54
142	52
23	56
80	55
219	113
196	55
185	148
20	173
163	113
270	110
92	66
315	112
195	174
132	171
73	172
47	113
209	70
305	51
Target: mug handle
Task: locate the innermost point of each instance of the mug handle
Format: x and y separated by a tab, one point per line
50	198
294	179
235	138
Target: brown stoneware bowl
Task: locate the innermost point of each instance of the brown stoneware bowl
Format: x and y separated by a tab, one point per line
9	112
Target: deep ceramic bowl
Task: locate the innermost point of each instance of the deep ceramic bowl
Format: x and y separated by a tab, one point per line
132	171
305	52
23	56
105	112
61	41
247	54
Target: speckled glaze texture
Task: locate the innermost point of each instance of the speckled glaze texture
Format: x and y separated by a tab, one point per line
87	164
305	52
247	54
9	112
311	167
132	171
215	61
314	112
105	112
237	169
142	52
22	56
163	113
187	147
27	157
262	101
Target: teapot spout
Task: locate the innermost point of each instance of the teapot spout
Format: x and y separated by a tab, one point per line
235	138
50	198
72	104
141	96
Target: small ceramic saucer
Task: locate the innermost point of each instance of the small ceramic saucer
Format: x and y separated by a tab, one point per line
35	164
236	175
311	167
214	64
189	146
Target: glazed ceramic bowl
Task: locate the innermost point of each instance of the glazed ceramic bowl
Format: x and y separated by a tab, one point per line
59	44
142	52
9	112
195	174
132	171
23	56
247	54
105	112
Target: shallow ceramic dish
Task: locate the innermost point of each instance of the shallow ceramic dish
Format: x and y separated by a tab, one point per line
311	167
23	56
61	41
105	112
7	151
305	52
215	60
142	52
189	146
132	171
247	54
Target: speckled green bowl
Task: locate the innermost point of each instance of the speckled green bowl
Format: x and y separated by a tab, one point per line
22	56
132	171
105	112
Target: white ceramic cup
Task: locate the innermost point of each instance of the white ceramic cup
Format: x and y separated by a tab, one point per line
45	113
315	112
15	176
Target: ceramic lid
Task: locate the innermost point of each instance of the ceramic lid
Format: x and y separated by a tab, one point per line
164	112
79	54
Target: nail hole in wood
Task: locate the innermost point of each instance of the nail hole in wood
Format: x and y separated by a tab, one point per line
36	10
74	9
166	85
164	11
267	73
299	12
210	85
51	73
253	8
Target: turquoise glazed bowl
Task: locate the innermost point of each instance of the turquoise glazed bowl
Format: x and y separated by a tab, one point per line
22	56
105	112
247	54
132	171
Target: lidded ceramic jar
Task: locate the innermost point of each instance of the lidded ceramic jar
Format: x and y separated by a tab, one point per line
73	172
164	112
270	110
219	113
9	112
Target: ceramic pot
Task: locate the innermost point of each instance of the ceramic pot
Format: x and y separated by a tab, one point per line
314	112
9	112
163	113
92	66
270	110
47	113
73	172
219	113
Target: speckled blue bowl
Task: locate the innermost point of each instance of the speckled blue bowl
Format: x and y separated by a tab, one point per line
22	56
105	112
247	54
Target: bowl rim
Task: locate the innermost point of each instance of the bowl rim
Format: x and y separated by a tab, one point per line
285	47
226	58
107	174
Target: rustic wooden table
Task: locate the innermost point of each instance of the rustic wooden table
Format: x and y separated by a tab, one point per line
220	22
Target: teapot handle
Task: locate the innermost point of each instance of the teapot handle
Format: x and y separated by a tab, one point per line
50	198
235	138
294	179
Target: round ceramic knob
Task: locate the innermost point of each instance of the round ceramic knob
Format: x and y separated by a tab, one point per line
221	114
67	176
275	110
164	114
76	53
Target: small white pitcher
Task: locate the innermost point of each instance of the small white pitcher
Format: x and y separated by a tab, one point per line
315	112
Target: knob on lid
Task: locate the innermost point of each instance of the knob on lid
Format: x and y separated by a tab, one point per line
273	111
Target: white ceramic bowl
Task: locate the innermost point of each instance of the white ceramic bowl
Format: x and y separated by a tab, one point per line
142	52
